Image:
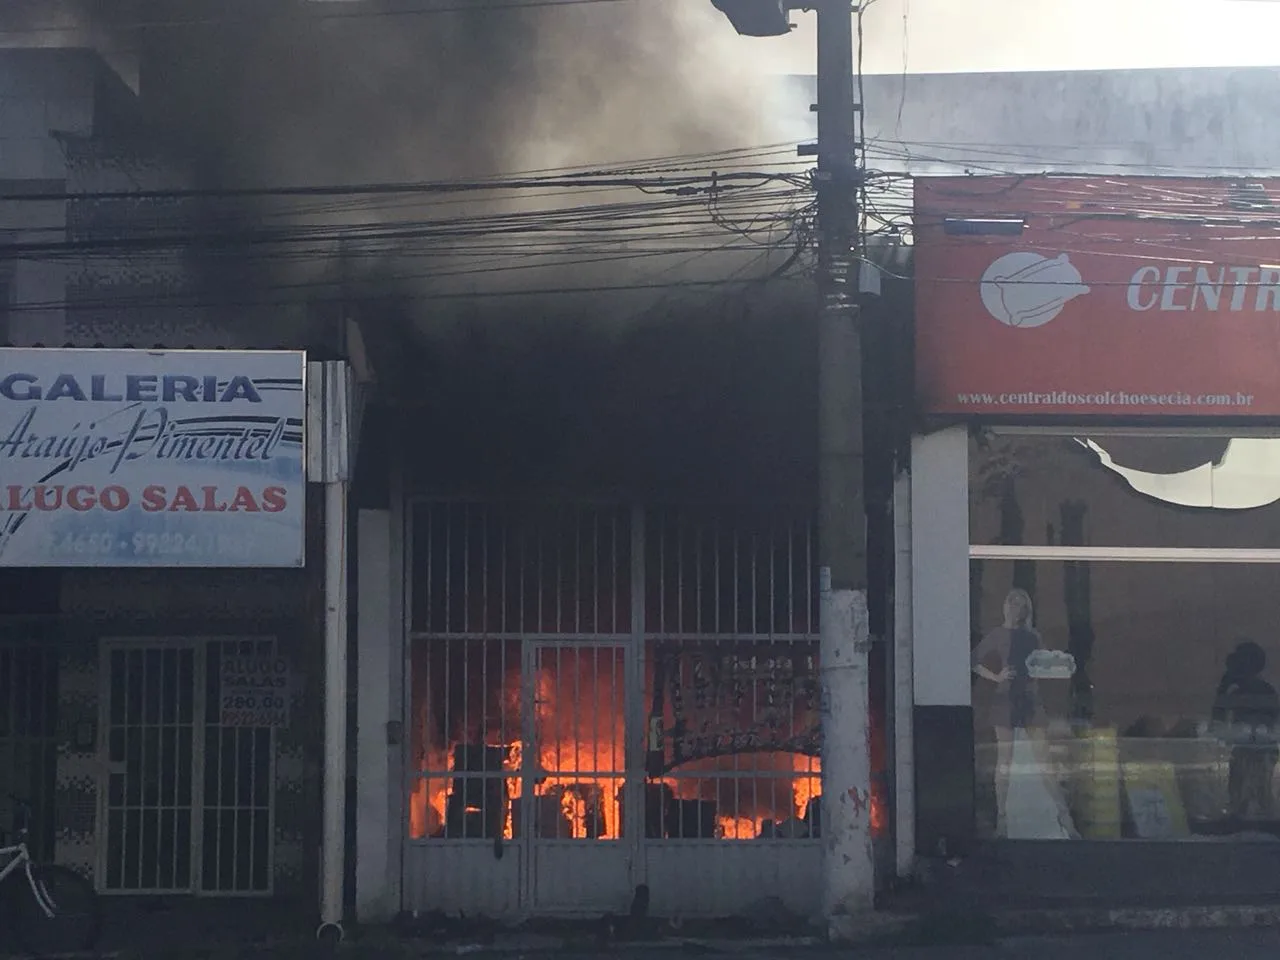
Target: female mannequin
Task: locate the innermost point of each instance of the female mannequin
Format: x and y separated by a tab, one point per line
1008	663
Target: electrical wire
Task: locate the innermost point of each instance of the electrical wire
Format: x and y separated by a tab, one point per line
312	10
611	223
196	300
385	189
711	215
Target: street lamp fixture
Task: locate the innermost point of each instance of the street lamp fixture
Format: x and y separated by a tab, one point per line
757	18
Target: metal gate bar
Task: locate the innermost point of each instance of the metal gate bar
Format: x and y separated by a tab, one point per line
466	739
484	577
519	570
577	724
28	737
188	804
729	573
731	682
151	715
237	821
737	753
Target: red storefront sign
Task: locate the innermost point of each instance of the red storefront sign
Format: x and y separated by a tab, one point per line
1118	297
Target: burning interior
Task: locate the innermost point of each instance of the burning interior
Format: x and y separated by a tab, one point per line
730	753
537	712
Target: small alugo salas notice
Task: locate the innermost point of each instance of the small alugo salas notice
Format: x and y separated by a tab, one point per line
135	458
255	691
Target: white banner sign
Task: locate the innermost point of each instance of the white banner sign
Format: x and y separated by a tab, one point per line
255	692
134	458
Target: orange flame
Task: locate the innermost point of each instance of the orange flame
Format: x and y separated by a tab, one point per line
584	768
738	828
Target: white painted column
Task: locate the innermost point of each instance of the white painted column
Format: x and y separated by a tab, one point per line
329	455
333	841
904	756
397	698
940	567
375	831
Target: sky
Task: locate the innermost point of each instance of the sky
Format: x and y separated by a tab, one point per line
944	36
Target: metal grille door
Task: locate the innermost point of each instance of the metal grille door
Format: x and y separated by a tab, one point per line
152	715
575	775
28	746
188	800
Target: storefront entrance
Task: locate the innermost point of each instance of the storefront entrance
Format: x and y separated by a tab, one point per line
601	699
186	804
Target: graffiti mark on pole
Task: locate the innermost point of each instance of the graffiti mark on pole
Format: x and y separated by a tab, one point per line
861	801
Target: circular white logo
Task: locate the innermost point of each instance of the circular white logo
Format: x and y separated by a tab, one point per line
1025	289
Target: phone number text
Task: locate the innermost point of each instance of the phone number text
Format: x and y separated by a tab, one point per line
151	545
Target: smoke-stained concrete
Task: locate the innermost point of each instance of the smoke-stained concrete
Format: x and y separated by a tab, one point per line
711	399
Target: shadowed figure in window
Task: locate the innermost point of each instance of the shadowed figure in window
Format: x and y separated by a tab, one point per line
1247	711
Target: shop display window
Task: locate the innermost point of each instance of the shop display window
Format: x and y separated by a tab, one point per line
1125	647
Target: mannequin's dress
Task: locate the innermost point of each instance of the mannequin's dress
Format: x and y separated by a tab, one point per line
1032	806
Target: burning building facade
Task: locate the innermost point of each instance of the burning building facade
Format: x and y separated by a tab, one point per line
584	642
600	664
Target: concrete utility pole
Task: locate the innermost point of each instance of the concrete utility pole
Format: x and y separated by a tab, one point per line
848	867
849	870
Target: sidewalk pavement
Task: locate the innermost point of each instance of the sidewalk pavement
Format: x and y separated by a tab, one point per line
1224	944
1173	933
1256	944
1253	944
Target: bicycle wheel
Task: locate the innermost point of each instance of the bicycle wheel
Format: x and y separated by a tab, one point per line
77	915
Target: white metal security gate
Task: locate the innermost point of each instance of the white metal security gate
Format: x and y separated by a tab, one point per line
186	803
600	698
